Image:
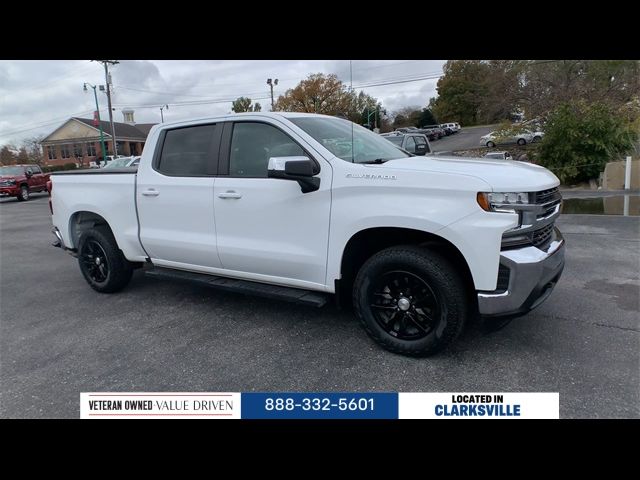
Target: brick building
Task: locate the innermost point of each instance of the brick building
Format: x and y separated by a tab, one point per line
78	140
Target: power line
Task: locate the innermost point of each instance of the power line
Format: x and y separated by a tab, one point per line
180	94
184	104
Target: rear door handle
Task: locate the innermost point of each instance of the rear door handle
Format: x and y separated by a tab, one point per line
151	193
229	194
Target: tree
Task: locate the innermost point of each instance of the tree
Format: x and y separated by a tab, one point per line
326	94
243	104
581	137
34	149
545	84
460	91
23	156
318	93
7	155
426	118
407	117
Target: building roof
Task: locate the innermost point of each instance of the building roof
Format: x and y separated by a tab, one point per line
123	130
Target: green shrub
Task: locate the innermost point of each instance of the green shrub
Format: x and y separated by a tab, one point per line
581	138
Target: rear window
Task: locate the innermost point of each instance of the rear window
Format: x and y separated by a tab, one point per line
188	152
397	140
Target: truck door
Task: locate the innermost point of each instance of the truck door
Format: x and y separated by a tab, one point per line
174	197
267	227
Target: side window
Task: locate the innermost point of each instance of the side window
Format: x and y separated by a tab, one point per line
36	169
252	144
186	152
410	145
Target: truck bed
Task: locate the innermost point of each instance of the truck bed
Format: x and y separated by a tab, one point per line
108	193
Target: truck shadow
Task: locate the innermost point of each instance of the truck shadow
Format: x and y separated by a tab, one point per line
329	323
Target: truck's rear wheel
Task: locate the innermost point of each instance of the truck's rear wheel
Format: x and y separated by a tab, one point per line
102	263
410	300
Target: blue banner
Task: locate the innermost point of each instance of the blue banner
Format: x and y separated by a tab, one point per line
316	405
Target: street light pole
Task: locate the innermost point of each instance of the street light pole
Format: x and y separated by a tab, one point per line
271	84
95	95
161	115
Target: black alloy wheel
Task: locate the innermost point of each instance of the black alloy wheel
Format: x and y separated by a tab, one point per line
95	261
404	305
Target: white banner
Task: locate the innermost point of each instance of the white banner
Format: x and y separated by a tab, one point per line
479	405
160	405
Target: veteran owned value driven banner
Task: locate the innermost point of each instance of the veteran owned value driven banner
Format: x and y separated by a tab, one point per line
319	405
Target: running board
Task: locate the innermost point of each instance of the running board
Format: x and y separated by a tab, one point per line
287	294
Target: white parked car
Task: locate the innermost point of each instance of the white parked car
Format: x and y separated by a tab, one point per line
123	162
499	155
454	127
302	207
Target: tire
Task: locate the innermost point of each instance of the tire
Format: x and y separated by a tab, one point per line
536	139
490	144
522	141
398	321
102	264
23	196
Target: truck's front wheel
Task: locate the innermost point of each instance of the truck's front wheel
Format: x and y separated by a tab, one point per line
410	300
101	262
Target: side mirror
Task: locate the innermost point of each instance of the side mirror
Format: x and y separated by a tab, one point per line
300	169
28	173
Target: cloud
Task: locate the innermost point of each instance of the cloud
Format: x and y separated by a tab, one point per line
37	96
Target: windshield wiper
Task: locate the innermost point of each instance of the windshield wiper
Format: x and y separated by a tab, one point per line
377	160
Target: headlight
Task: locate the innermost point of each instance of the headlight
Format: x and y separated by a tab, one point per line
502	202
12	182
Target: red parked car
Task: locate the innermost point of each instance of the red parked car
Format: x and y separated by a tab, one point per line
21	180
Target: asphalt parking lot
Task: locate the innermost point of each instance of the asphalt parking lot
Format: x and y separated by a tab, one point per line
465	139
59	338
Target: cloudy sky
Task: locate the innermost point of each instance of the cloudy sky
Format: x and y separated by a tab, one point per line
37	96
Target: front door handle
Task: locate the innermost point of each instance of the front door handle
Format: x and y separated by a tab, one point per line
151	193
229	194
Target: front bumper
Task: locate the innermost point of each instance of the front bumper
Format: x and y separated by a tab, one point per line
9	191
533	273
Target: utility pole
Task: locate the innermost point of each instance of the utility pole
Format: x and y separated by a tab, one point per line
271	84
161	115
107	80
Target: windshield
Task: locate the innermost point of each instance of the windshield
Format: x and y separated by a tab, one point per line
349	141
11	170
118	162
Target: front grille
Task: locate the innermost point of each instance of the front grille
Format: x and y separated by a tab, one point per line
542	237
547	195
538	238
503	278
549	199
536	225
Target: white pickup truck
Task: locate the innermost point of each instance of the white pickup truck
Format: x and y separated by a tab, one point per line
301	206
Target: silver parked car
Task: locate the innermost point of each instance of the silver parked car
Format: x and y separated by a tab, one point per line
416	143
492	139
